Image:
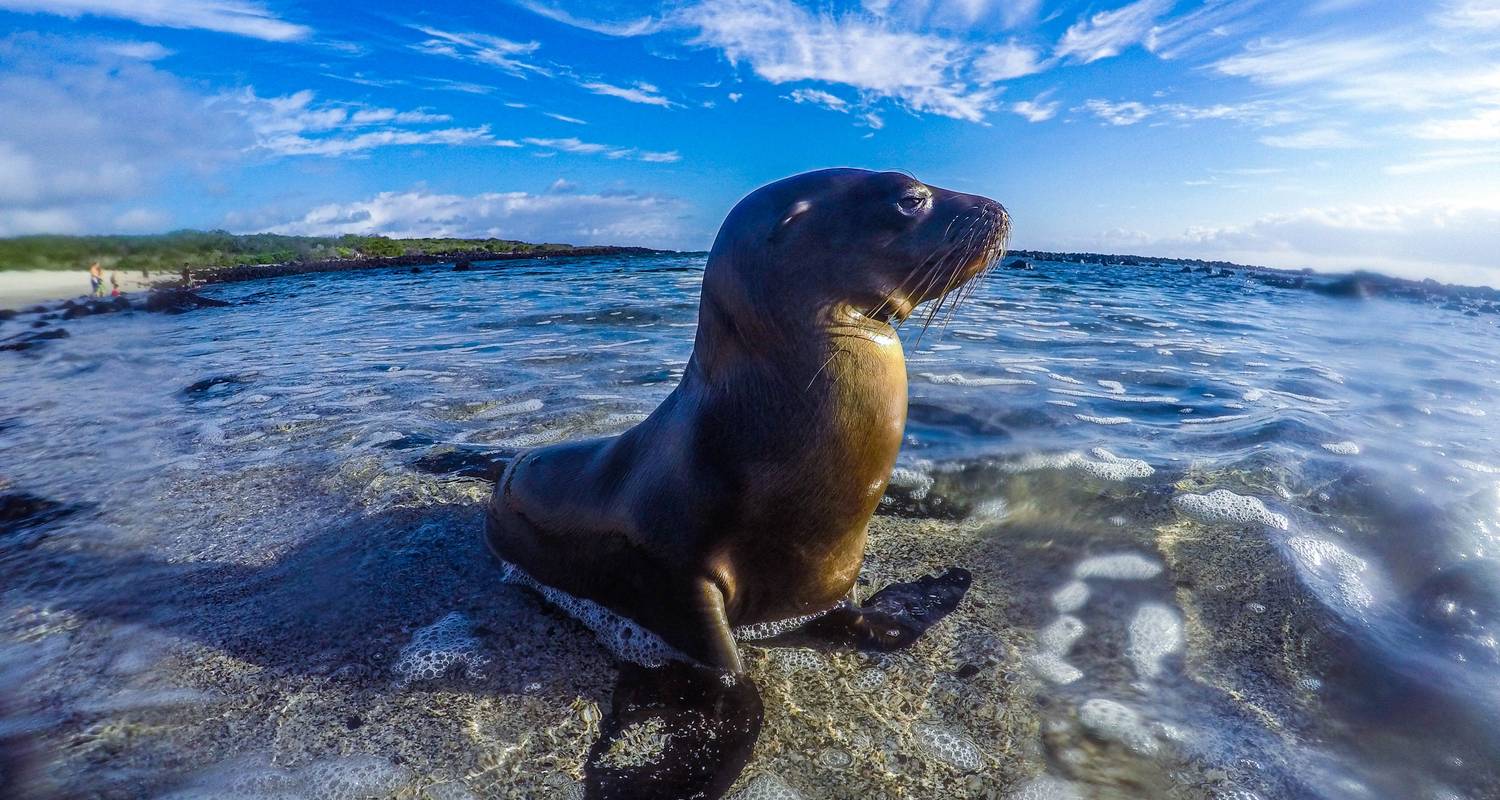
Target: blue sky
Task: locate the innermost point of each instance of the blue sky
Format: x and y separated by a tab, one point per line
1324	133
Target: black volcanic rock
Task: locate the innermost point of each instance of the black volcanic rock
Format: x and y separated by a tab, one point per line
177	301
26	341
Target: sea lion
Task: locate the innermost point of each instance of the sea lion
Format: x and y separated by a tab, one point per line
741	503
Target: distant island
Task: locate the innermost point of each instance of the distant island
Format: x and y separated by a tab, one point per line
220	250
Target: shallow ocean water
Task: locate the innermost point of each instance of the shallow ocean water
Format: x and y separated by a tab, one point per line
1230	541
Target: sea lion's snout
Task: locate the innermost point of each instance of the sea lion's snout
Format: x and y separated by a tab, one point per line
964	236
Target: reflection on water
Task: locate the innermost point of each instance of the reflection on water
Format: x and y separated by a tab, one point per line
1229	541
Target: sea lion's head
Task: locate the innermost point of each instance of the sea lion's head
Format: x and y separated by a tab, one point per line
875	243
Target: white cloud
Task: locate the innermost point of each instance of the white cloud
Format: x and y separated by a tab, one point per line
1257	113
298	125
1312	139
558	216
1446	159
636	26
1127	113
1300	61
1108	33
481	48
564	118
143	51
1447	242
1037	109
1471	15
1002	62
643	93
225	16
1483	125
783	42
83	130
955	14
818	97
577	146
1209	25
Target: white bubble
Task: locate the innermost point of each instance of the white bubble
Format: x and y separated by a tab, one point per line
916	479
799	659
1342	448
994	510
1118	567
1335	567
767	786
950	746
1053	644
1222	505
1103	420
1116	722
624	637
437	649
1054	669
774	628
1113	387
1155	632
1103	464
1048	788
354	778
1070	597
956	379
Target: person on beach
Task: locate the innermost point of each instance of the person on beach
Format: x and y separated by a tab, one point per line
96	280
114	284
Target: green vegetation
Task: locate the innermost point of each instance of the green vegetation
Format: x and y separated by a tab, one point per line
171	252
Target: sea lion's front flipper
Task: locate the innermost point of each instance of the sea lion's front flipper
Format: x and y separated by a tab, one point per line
897	615
677	731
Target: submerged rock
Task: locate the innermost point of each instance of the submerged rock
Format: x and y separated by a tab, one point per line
22	510
26	341
178	301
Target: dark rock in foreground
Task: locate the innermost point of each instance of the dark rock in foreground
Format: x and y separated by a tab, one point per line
21	510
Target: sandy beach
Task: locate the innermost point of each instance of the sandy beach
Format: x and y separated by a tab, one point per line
22	288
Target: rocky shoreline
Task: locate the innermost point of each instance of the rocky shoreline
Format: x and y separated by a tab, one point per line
461	259
175	295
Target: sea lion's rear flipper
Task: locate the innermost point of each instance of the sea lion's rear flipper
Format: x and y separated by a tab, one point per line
897	615
678	731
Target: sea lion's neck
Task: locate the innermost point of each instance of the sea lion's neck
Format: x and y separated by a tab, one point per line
792	344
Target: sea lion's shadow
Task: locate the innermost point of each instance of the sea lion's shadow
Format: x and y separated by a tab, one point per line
344	601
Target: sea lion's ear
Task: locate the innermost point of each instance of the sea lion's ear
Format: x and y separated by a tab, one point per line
798	209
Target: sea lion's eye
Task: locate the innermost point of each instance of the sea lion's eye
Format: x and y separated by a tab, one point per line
912	202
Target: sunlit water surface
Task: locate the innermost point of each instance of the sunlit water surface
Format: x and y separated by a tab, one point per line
1275	514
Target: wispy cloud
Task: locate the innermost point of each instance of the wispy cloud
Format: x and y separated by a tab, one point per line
636	26
1002	62
1127	113
577	146
225	16
481	48
644	93
299	125
1257	113
1037	109
1445	159
566	216
818	97
783	42
1312	139
564	118
1108	33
